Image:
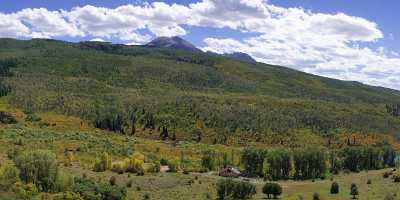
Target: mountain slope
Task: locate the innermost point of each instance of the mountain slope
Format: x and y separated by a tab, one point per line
172	42
164	87
240	56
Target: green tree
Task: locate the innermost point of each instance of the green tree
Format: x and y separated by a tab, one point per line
38	167
315	196
335	188
273	189
354	190
230	189
207	160
253	160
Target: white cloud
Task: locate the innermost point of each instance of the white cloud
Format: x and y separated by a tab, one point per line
319	43
11	27
97	40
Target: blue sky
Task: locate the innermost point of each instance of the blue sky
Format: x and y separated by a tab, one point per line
350	40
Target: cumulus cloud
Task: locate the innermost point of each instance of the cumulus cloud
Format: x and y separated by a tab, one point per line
319	43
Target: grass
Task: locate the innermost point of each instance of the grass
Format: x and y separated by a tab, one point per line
197	186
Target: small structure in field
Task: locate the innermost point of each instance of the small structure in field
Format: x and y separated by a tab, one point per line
229	171
164	168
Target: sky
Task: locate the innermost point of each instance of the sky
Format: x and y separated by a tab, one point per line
357	40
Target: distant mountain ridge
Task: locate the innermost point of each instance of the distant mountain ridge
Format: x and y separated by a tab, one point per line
240	56
172	42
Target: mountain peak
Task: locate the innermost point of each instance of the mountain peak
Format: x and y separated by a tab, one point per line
240	56
174	42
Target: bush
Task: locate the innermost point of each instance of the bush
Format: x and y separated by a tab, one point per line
207	160
68	196
113	180
163	161
389	197
140	172
227	188
6	118
387	174
38	167
64	182
25	191
335	188
315	196
32	118
369	182
153	167
173	166
129	183
111	192
88	189
69	159
273	189
396	178
9	175
354	190
102	163
118	168
134	164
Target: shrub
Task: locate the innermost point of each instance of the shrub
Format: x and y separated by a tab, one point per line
32	118
354	190
113	180
173	166
64	182
134	164
273	189
207	160
70	158
102	163
111	192
6	118
396	178
386	174
369	182
118	168
140	172
315	196
153	167
163	161
335	188
227	188
38	167
88	189
25	191
129	183
389	197
68	196
244	190
9	175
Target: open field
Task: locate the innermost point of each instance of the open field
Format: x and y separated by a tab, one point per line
177	186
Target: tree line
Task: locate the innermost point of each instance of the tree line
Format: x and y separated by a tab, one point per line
5	71
314	162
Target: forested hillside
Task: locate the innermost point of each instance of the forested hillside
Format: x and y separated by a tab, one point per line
181	95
